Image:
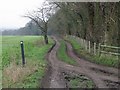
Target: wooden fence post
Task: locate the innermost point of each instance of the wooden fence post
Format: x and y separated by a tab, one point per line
94	48
99	49
89	46
86	45
82	42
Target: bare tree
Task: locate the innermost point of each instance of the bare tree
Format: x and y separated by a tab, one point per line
41	17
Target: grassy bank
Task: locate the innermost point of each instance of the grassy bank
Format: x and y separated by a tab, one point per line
62	54
106	60
16	76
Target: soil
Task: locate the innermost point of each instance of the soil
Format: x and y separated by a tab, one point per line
102	76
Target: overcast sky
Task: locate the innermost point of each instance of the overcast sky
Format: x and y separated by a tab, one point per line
11	12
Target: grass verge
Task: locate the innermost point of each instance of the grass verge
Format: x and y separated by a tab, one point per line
16	76
62	54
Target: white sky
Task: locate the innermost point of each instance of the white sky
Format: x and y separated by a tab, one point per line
11	12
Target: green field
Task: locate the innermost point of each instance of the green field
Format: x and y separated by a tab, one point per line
16	76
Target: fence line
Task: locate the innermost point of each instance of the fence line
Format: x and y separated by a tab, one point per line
110	46
95	48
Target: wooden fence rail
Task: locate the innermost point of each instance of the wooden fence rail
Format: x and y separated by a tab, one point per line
96	48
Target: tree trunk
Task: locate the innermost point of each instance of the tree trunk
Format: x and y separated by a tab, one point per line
77	34
45	34
91	20
118	7
69	32
46	39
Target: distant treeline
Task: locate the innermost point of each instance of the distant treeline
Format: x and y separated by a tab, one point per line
29	29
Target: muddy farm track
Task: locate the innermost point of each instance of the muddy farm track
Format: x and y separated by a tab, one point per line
102	76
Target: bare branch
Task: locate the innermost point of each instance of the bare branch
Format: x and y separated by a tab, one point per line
32	18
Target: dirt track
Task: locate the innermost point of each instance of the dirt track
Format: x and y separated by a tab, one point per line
103	77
